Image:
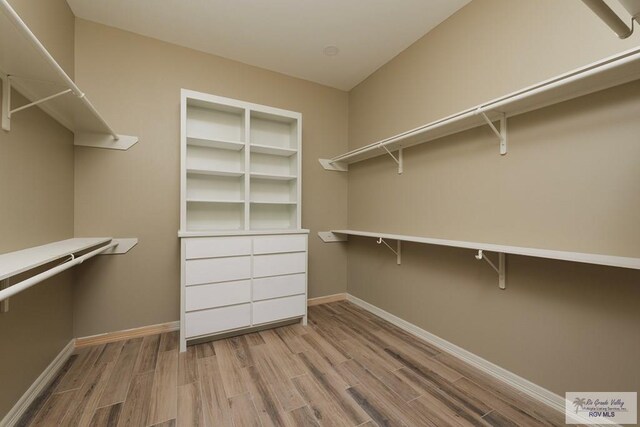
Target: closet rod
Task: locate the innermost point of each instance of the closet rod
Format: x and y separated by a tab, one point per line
25	284
26	32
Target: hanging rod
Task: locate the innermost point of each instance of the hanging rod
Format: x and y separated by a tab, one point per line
25	284
603	74
26	32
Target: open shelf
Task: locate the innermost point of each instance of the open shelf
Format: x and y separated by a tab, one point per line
263	202
274	151
608	260
20	261
215	215
215	143
213	172
273	216
214	124
274	177
36	75
606	73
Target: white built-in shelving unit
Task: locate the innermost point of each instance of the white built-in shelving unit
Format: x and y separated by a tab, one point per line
241	166
27	66
244	255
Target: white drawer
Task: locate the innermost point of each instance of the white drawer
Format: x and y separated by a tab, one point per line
213	247
211	270
278	309
217	295
279	286
276	265
217	320
277	244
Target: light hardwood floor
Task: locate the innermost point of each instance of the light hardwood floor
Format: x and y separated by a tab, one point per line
347	368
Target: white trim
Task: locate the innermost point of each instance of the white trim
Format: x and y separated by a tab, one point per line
45	378
530	389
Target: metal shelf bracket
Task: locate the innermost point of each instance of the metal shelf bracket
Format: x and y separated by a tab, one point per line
501	134
7	112
500	269
398	159
397	251
4	304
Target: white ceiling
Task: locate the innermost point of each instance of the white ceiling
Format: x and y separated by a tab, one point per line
287	36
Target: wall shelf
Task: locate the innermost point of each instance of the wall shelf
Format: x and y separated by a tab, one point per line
30	69
69	252
598	259
606	73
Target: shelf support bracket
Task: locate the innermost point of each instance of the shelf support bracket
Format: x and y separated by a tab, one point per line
4	304
501	134
500	269
398	159
397	251
5	109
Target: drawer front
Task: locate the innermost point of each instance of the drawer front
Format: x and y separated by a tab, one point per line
276	265
279	286
217	295
217	247
217	320
278	309
211	270
278	244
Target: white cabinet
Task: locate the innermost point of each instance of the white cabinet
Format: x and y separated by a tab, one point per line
224	289
244	254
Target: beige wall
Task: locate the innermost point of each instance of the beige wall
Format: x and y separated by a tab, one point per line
36	190
135	82
570	181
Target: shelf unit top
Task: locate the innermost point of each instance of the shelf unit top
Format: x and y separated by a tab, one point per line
606	73
36	75
608	260
13	263
220	233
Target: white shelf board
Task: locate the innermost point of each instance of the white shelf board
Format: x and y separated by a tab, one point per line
13	263
213	172
274	151
240	232
36	75
265	202
272	177
608	260
215	143
215	201
606	73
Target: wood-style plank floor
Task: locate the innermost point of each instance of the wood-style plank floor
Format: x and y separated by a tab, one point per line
347	368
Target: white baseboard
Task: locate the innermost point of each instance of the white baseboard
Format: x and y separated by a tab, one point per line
13	416
525	386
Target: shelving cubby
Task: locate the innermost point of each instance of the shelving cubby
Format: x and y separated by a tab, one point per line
240	165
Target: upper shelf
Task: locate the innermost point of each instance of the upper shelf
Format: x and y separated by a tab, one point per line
613	71
13	263
608	260
29	68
